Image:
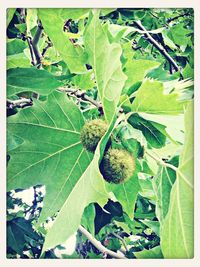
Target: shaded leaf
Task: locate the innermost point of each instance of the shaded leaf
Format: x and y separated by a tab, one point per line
30	79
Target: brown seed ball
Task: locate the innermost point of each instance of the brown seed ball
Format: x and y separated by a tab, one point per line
92	132
117	165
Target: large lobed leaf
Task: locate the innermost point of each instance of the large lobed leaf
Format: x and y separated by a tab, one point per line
51	152
177	237
89	188
105	60
53	21
136	70
151	98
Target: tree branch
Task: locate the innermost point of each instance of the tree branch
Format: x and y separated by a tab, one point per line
35	41
158	46
19	103
99	246
82	94
177	17
29	40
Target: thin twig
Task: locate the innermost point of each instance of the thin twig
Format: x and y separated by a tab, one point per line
99	246
177	17
82	94
160	48
49	44
19	103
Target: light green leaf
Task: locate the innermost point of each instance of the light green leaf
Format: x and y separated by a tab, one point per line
51	153
53	23
89	188
162	184
17	60
136	70
73	13
105	60
84	81
147	100
31	19
30	79
177	234
154	253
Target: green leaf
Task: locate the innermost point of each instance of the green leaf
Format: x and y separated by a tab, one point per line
126	193
9	15
162	184
17	60
154	225
31	19
174	125
154	253
147	100
177	234
13	141
51	153
84	81
89	188
30	79
17	231
88	218
105	60
136	70
73	13
53	23
152	131
179	34
15	46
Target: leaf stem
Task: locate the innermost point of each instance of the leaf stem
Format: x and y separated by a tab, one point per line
99	246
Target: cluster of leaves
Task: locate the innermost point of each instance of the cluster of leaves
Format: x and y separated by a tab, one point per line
147	103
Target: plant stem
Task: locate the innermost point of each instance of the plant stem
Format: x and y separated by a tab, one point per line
158	46
99	246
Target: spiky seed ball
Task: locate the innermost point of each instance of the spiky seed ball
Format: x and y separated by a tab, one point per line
117	165
92	132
